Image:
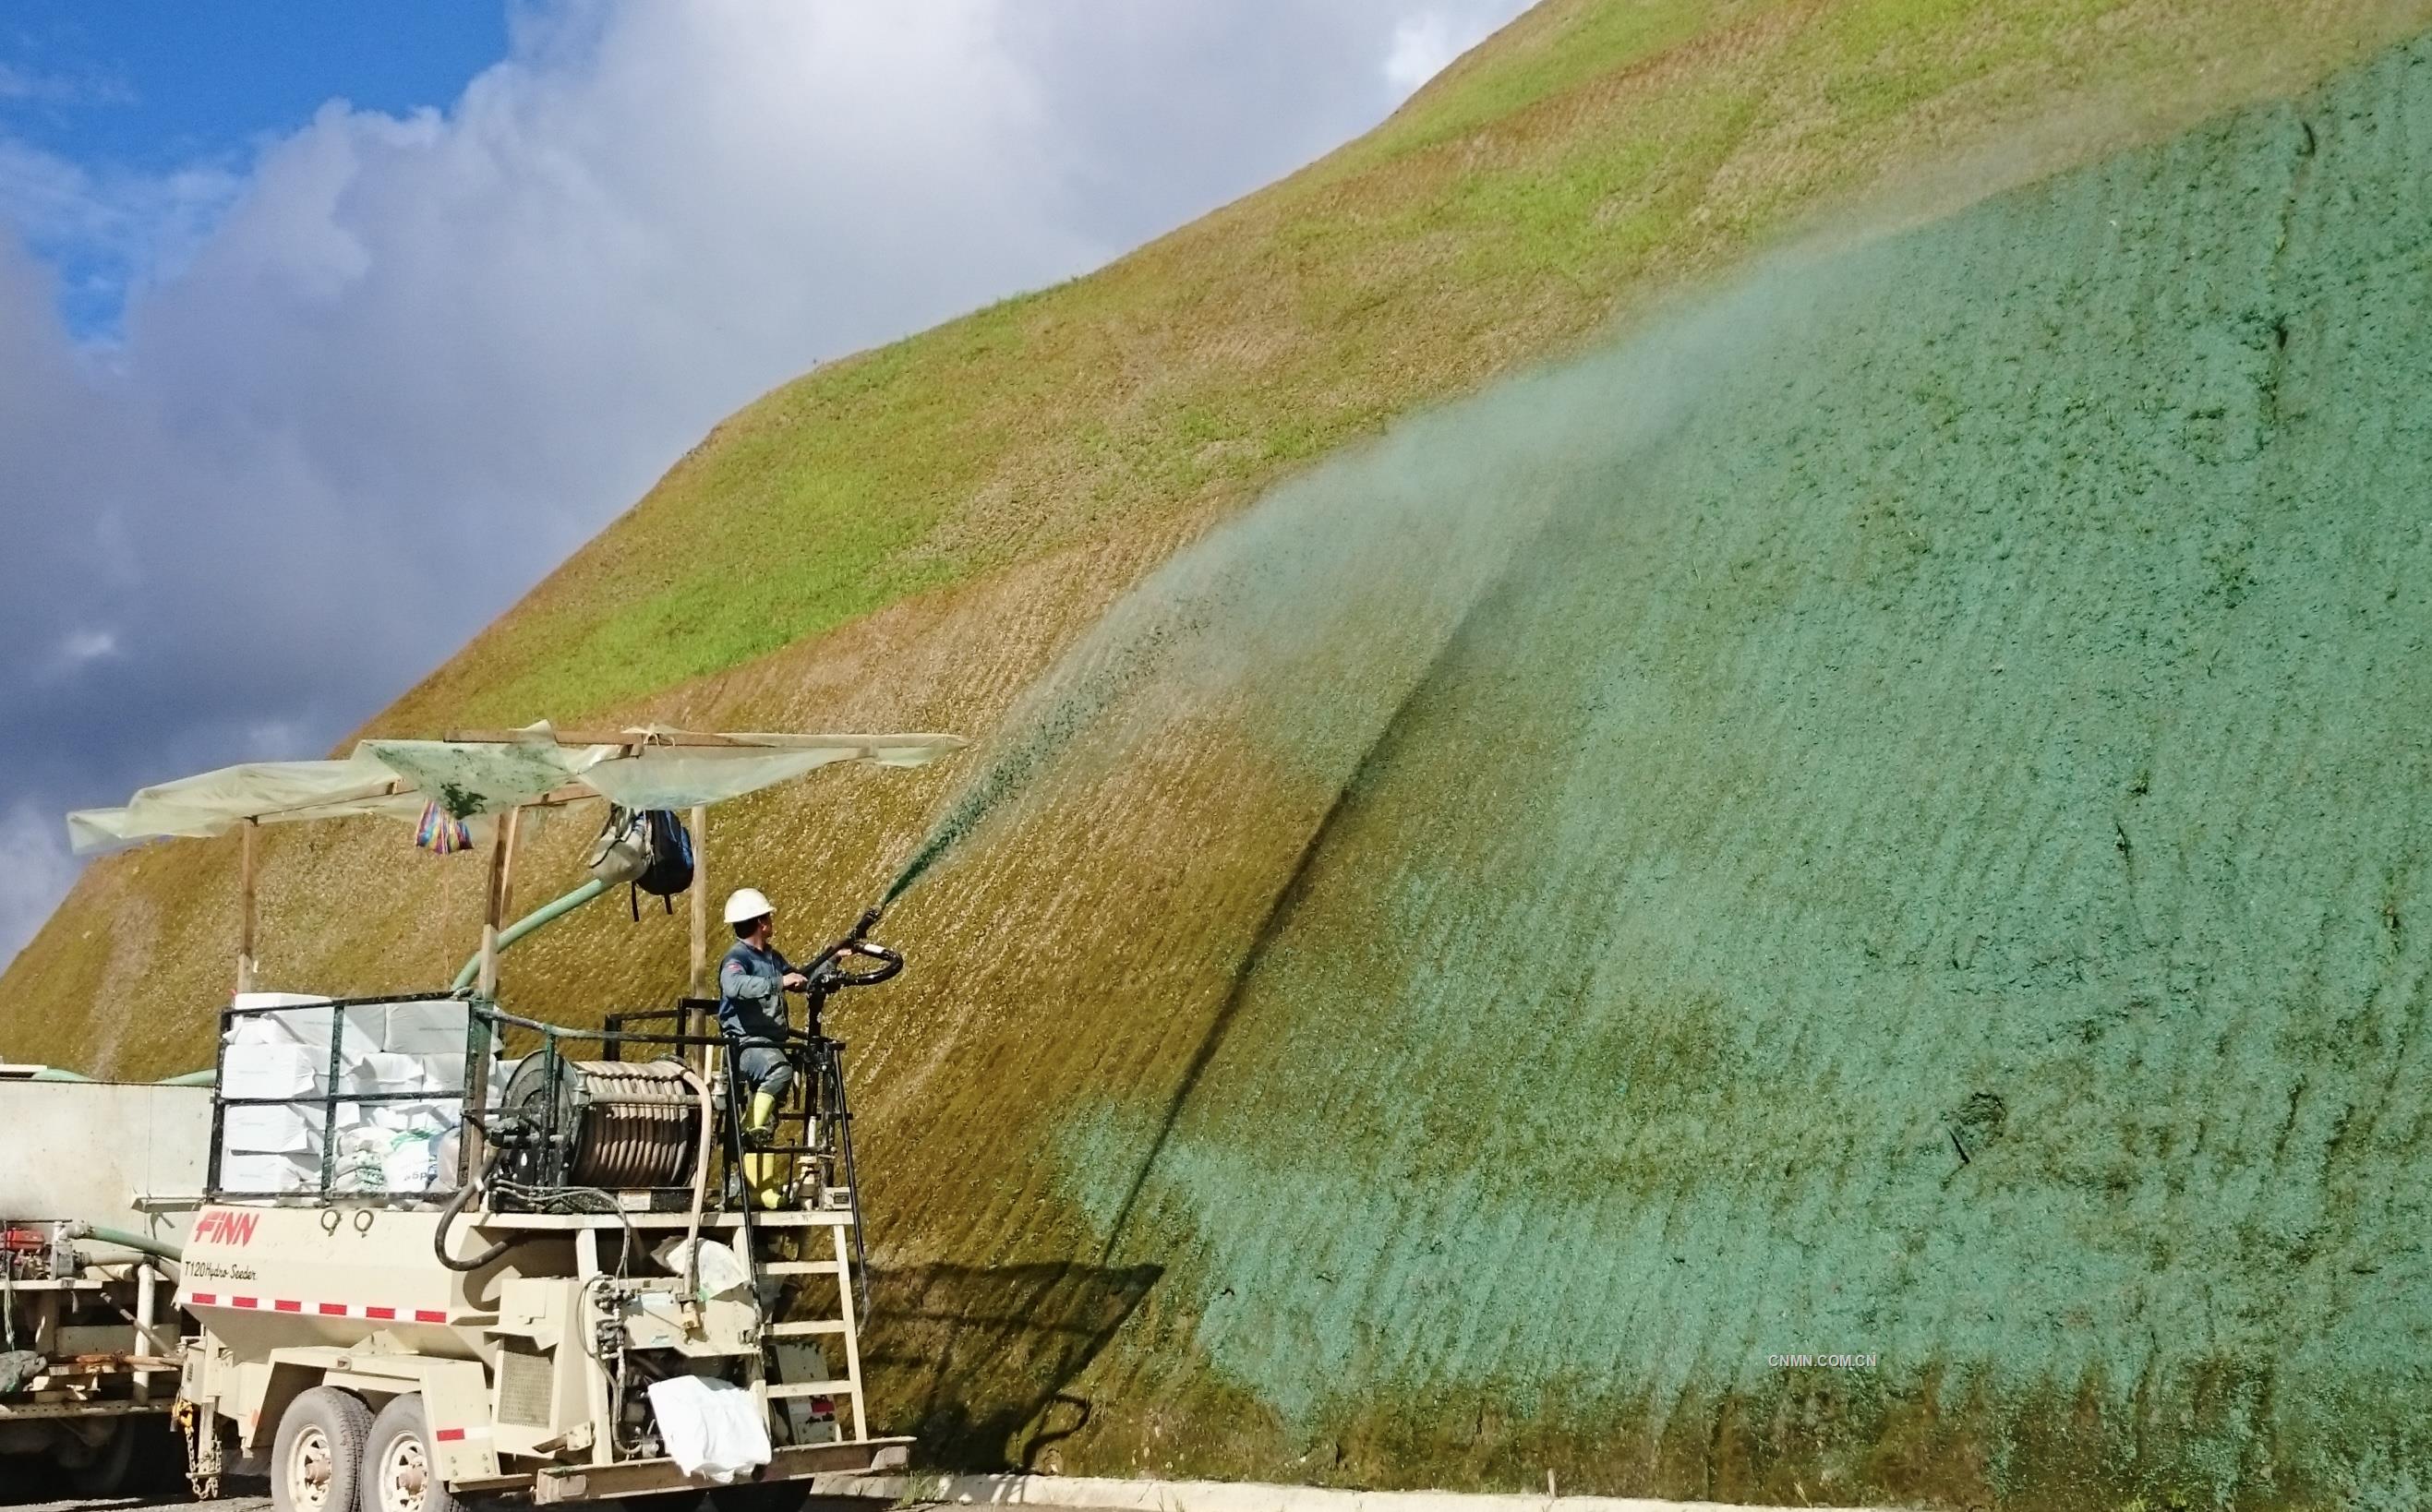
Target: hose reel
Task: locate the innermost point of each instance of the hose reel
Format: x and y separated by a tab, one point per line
616	1124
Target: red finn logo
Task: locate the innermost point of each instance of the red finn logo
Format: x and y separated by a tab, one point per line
219	1225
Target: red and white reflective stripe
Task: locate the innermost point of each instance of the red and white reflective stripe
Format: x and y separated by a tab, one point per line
449	1436
291	1304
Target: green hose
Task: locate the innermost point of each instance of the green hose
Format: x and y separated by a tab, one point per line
205	1077
546	913
127	1239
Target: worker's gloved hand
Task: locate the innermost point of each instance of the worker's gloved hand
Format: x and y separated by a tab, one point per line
793	982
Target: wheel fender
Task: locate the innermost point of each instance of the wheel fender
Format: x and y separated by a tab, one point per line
456	1410
281	1380
455	1397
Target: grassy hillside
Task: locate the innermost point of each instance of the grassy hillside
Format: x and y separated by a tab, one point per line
1879	816
1591	156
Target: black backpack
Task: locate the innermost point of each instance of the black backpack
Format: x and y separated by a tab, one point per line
651	851
668	872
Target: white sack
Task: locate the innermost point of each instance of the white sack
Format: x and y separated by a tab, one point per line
394	1071
431	1028
272	1070
251	1172
710	1428
305	1022
264	1129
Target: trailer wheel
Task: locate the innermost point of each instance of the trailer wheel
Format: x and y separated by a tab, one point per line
760	1496
404	1473
104	1472
316	1457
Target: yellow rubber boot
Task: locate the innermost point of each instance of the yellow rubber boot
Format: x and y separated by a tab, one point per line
764	1174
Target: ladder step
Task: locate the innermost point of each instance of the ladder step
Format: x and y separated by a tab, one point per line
798	1267
830	1325
811	1388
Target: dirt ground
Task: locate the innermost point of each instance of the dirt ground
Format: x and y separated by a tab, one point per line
262	1504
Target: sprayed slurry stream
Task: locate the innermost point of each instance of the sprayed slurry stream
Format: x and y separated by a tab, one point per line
1351	580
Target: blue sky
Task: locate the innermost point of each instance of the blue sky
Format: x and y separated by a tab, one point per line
136	91
259	351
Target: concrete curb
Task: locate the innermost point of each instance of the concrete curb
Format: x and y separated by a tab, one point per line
1226	1496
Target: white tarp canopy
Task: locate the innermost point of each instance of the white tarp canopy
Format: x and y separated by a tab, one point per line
270	792
650	768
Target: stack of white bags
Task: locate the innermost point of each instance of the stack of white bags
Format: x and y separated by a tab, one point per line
388	1147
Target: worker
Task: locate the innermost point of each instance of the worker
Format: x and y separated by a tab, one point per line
752	984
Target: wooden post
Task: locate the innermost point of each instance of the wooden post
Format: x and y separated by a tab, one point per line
246	912
503	860
509	834
700	900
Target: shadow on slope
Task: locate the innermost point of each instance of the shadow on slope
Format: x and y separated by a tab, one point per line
977	1361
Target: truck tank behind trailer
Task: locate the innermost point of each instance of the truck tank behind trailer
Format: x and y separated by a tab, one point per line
96	1186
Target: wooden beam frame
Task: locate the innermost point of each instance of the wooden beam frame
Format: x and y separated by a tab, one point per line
502	861
593	737
248	916
699	959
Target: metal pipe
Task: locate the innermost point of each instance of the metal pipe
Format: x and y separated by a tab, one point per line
547	914
699	1191
127	1239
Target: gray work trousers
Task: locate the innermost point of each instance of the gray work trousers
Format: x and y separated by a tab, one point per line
763	1068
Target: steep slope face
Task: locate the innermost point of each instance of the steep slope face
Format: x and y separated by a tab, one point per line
1923	855
1879	819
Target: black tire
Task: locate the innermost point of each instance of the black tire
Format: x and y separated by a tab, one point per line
106	1471
774	1496
397	1453
326	1424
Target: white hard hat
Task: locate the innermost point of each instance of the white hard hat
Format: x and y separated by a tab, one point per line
744	904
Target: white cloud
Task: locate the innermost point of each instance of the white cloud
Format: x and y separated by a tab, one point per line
83	646
121	231
1422	45
373	383
25	86
34	868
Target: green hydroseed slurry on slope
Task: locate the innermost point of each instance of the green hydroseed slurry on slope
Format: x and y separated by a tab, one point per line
1926	858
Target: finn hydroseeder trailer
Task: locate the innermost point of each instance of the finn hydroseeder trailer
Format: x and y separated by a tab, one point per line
425	1272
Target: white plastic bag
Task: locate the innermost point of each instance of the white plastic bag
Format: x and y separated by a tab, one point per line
721	1269
710	1428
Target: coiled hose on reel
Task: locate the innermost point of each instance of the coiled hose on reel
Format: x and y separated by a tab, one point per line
593	1126
620	1125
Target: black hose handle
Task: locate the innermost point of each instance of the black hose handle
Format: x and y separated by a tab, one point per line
448	1216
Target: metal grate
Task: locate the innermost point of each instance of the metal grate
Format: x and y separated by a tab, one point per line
523	1385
